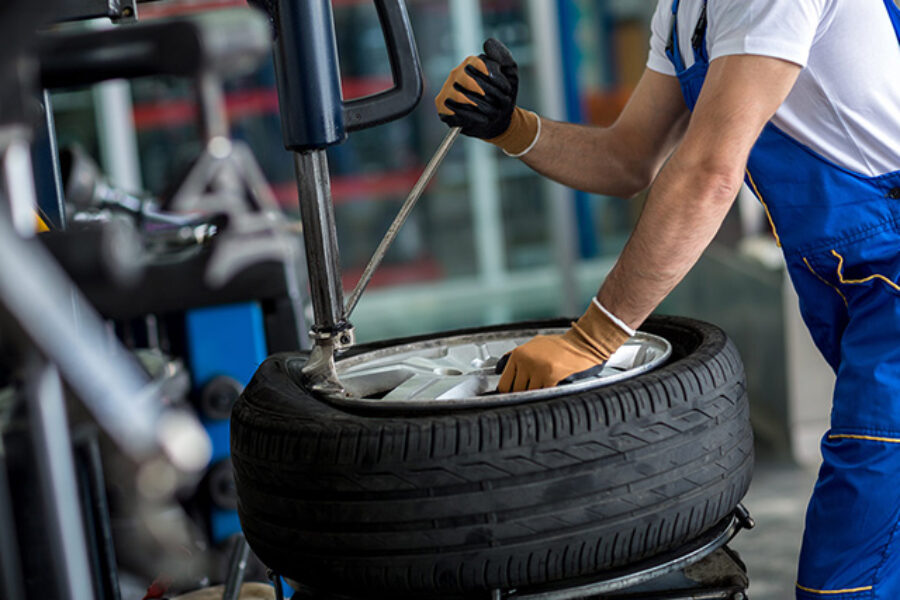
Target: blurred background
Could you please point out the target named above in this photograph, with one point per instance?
(492, 241)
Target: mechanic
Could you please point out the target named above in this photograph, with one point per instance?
(800, 98)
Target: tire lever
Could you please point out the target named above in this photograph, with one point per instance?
(405, 210)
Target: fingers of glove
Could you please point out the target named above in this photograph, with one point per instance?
(497, 50)
(479, 101)
(507, 378)
(542, 375)
(472, 120)
(471, 123)
(495, 87)
(523, 370)
(522, 379)
(460, 77)
(473, 116)
(501, 364)
(452, 120)
(502, 56)
(494, 77)
(450, 96)
(582, 375)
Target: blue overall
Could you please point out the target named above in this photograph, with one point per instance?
(840, 233)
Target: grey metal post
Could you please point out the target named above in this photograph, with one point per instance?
(331, 330)
(320, 239)
(544, 19)
(11, 585)
(213, 113)
(56, 473)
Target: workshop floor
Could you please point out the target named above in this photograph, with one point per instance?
(777, 501)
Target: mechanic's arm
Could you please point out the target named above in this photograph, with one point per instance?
(696, 188)
(686, 205)
(622, 160)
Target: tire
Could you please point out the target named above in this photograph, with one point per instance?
(434, 505)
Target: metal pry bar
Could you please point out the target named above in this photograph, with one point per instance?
(413, 197)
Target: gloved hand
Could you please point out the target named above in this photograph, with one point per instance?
(479, 96)
(547, 360)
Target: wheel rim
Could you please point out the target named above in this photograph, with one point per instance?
(458, 371)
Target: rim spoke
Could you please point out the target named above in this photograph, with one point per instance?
(433, 388)
(461, 369)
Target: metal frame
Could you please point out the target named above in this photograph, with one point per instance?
(95, 507)
(54, 317)
(629, 579)
(51, 334)
(57, 486)
(649, 570)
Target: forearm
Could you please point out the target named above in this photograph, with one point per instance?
(684, 210)
(692, 195)
(623, 159)
(592, 159)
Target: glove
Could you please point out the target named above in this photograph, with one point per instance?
(479, 96)
(548, 360)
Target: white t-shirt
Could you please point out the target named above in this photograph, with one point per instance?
(846, 102)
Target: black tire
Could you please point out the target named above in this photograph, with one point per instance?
(430, 505)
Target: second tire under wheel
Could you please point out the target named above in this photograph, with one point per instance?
(445, 504)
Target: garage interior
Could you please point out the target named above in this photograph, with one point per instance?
(202, 208)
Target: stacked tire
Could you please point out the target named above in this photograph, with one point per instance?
(453, 504)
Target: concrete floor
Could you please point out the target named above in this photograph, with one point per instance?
(777, 500)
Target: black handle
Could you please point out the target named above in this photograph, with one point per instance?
(313, 113)
(406, 69)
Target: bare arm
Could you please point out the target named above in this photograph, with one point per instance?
(695, 189)
(621, 160)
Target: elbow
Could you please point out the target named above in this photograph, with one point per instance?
(635, 185)
(720, 186)
(630, 183)
(641, 180)
(638, 175)
(713, 181)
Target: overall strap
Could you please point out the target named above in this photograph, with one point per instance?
(894, 12)
(698, 40)
(673, 50)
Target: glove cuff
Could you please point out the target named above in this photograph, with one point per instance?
(521, 135)
(599, 332)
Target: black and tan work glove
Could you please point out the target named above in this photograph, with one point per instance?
(548, 360)
(479, 97)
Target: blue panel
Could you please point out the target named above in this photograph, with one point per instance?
(219, 434)
(224, 340)
(225, 523)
